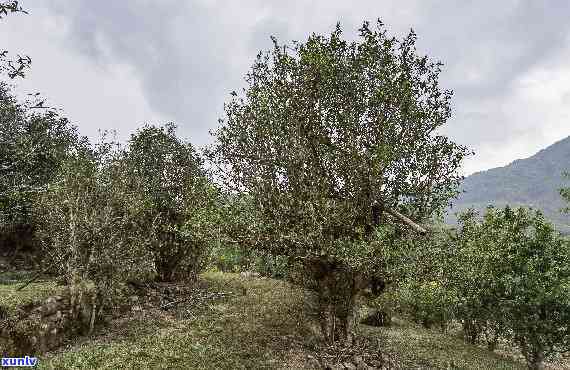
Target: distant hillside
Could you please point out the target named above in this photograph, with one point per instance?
(533, 182)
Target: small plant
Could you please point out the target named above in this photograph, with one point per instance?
(427, 303)
(230, 259)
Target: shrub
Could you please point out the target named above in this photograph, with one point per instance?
(427, 303)
(89, 224)
(180, 202)
(513, 276)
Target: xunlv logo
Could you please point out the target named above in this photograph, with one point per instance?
(19, 361)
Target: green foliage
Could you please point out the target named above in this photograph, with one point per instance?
(419, 287)
(239, 230)
(471, 273)
(328, 129)
(512, 273)
(180, 202)
(428, 303)
(89, 223)
(329, 133)
(32, 149)
(230, 259)
(236, 259)
(272, 266)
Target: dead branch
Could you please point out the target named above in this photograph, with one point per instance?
(406, 220)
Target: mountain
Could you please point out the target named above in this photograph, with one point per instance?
(532, 182)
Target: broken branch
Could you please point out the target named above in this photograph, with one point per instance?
(406, 220)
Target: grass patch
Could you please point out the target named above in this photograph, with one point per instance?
(237, 332)
(10, 297)
(416, 347)
(249, 324)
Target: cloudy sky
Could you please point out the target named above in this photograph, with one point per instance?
(119, 64)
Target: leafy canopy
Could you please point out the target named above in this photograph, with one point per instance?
(328, 132)
(513, 269)
(180, 211)
(32, 148)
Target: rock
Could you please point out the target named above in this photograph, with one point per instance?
(335, 367)
(313, 363)
(250, 274)
(50, 307)
(360, 364)
(40, 328)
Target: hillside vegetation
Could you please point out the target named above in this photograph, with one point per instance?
(265, 328)
(533, 182)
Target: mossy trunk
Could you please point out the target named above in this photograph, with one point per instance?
(166, 270)
(167, 256)
(337, 319)
(534, 359)
(537, 363)
(471, 331)
(337, 290)
(379, 318)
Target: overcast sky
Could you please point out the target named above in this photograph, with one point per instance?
(119, 64)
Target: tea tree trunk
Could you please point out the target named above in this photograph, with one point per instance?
(337, 291)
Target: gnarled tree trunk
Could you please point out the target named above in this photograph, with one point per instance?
(337, 290)
(533, 354)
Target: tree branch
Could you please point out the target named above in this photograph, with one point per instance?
(406, 220)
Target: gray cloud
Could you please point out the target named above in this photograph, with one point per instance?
(487, 46)
(189, 55)
(178, 52)
(498, 39)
